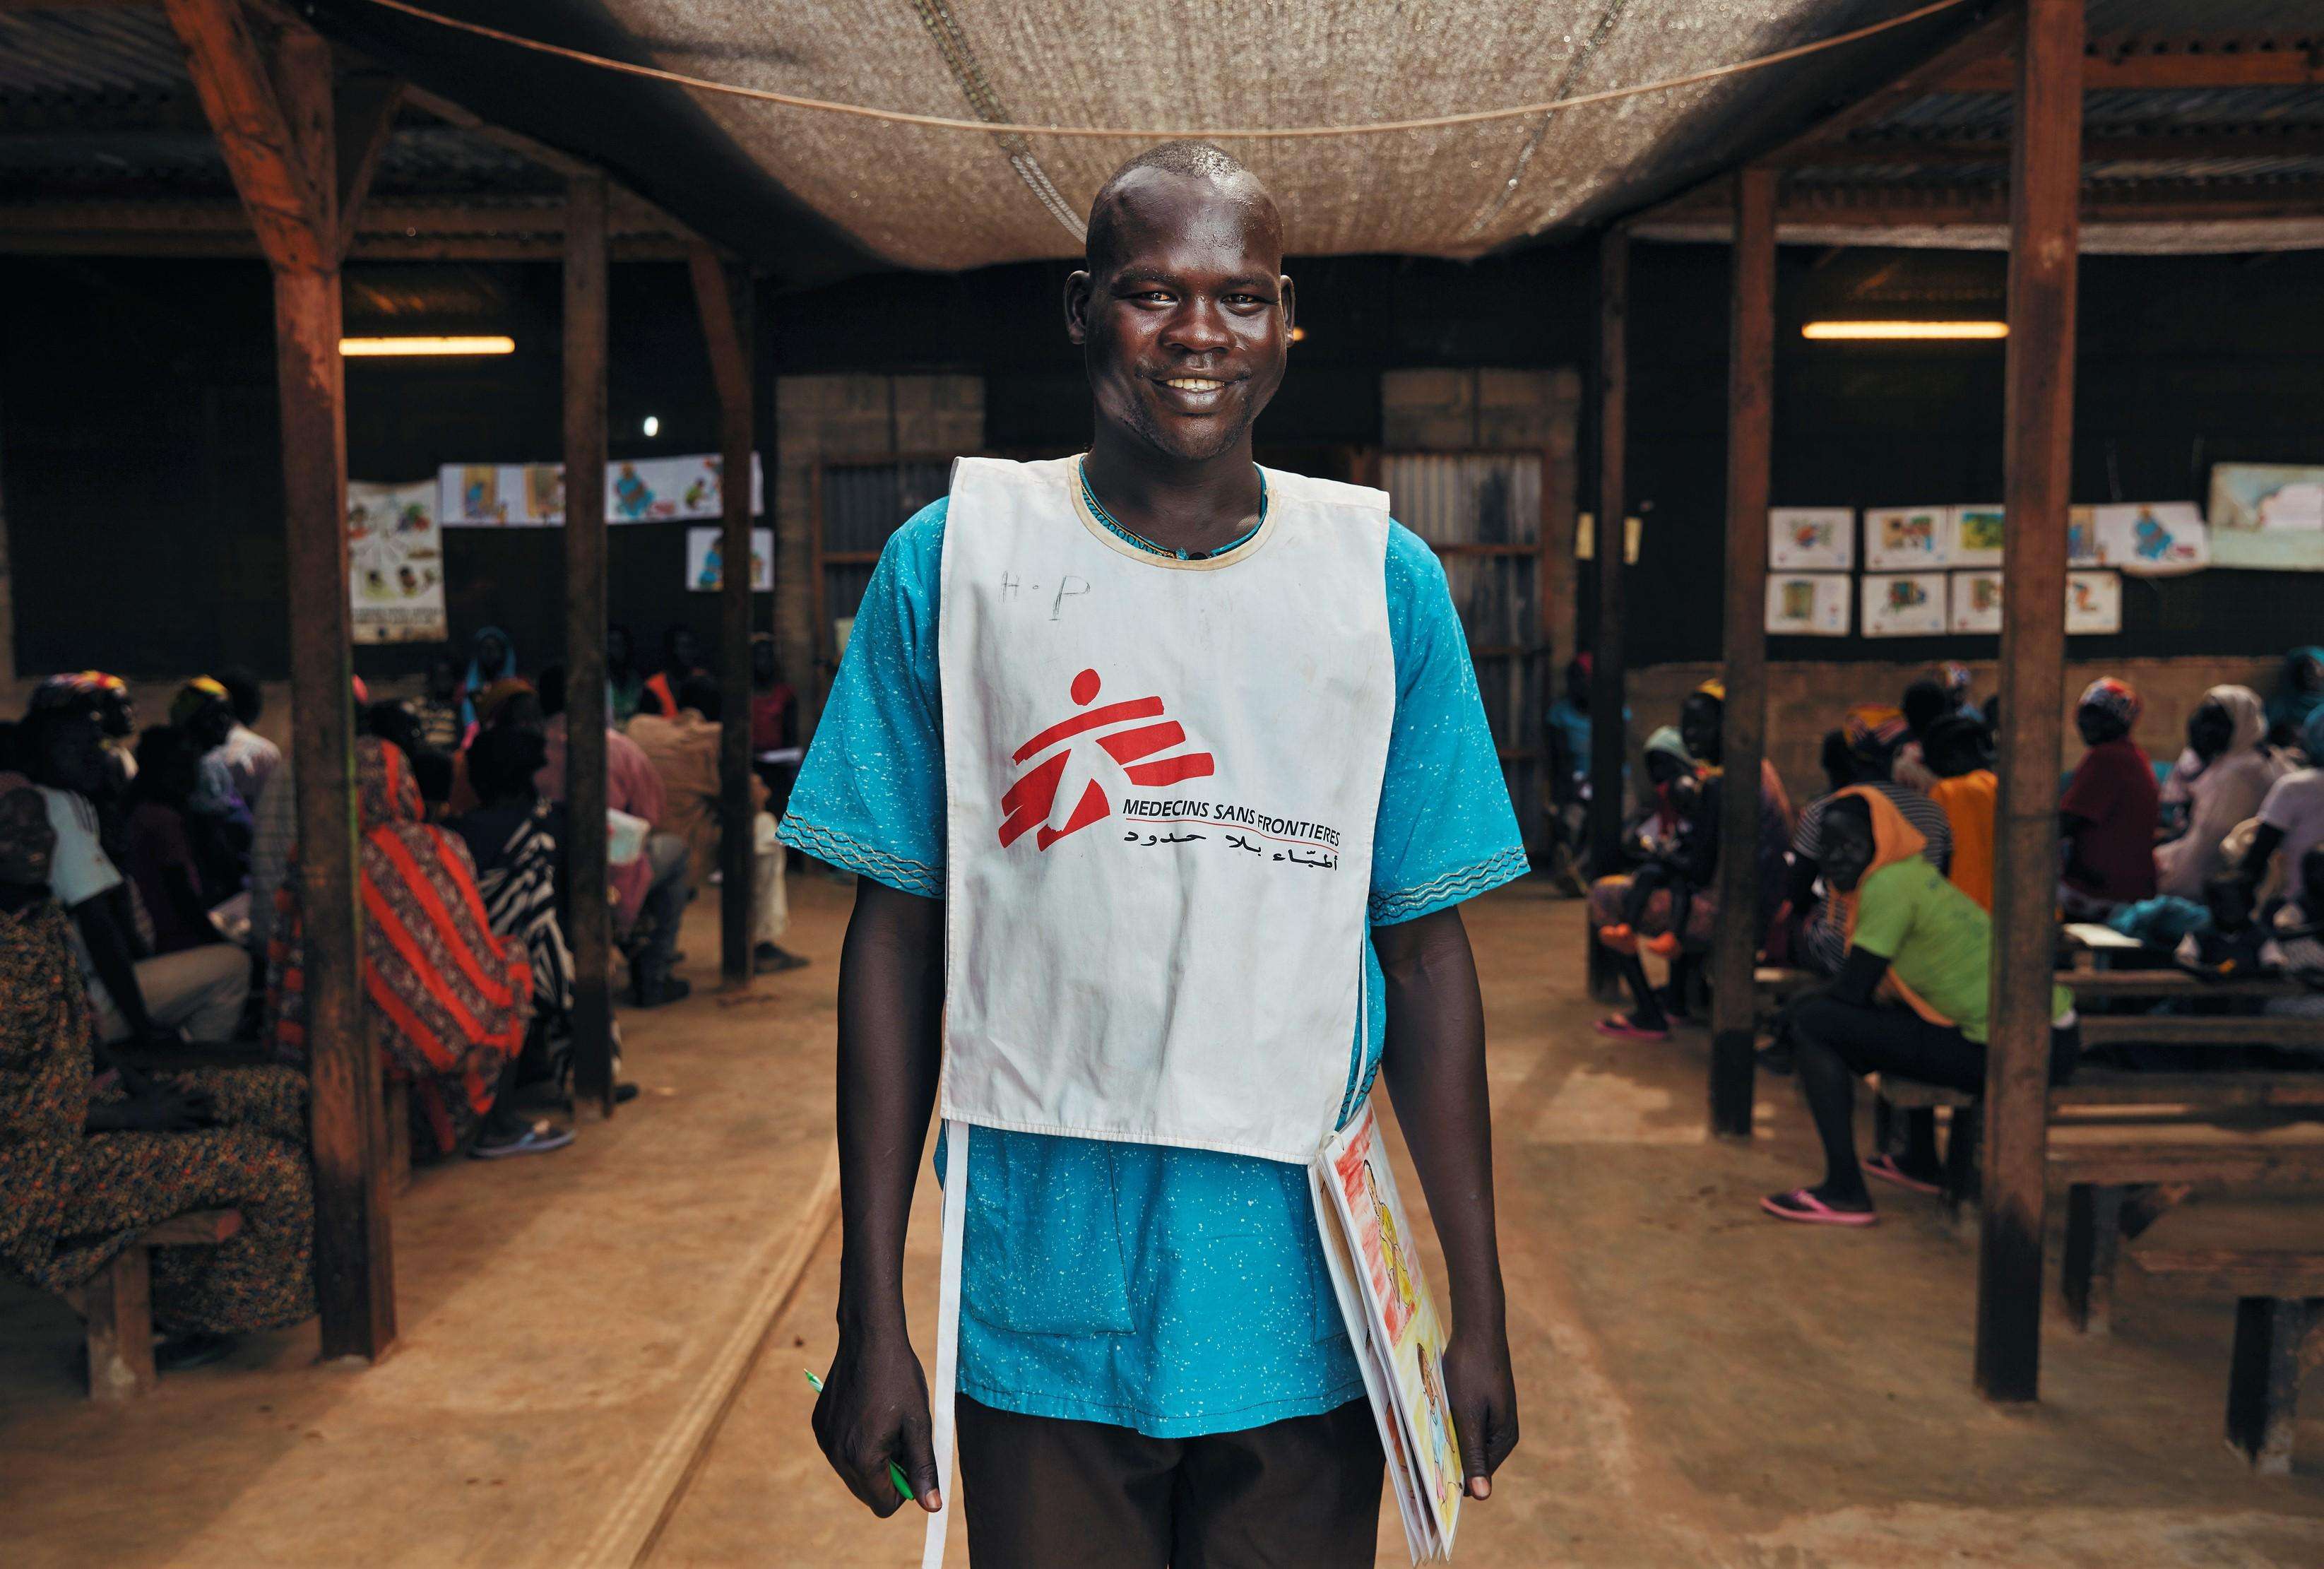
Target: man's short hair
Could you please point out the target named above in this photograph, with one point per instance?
(1201, 160)
(243, 690)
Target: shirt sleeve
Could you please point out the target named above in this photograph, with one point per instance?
(1807, 842)
(871, 794)
(1883, 914)
(78, 869)
(2283, 805)
(1445, 831)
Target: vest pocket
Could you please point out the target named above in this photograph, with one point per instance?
(1041, 1246)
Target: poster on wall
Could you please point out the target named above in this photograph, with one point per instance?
(644, 490)
(395, 564)
(1811, 539)
(1906, 538)
(705, 566)
(1903, 603)
(2093, 602)
(1808, 603)
(2152, 539)
(1975, 600)
(2268, 516)
(2081, 536)
(1978, 534)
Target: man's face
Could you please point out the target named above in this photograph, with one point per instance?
(117, 714)
(1698, 726)
(1184, 324)
(1847, 848)
(75, 757)
(27, 842)
(211, 726)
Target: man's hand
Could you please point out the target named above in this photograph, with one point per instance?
(873, 1410)
(1483, 1391)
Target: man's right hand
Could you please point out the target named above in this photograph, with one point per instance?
(873, 1410)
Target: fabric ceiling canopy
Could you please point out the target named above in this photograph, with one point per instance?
(952, 199)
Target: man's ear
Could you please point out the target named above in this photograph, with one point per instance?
(1077, 298)
(1290, 306)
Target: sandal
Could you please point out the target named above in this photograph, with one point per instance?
(1885, 1168)
(1618, 939)
(533, 1139)
(1622, 1027)
(1662, 944)
(1800, 1205)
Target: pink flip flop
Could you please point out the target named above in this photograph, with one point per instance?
(1620, 1026)
(1801, 1206)
(1885, 1168)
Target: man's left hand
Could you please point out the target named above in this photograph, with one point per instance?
(1483, 1391)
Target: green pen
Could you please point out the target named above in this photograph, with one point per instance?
(895, 1472)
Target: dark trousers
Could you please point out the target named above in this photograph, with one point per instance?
(1044, 1491)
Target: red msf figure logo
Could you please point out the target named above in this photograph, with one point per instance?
(1133, 745)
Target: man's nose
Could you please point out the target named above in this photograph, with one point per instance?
(1199, 327)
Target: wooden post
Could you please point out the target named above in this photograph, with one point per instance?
(1609, 741)
(1750, 437)
(2045, 179)
(722, 294)
(584, 640)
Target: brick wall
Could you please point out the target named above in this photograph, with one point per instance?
(1805, 699)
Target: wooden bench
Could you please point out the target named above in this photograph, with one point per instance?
(2269, 1256)
(1892, 1094)
(2277, 1029)
(119, 1304)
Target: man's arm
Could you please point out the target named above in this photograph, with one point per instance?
(109, 952)
(874, 1406)
(1434, 1066)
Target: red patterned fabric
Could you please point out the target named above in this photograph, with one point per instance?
(449, 1001)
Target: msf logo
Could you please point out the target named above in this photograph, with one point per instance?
(1117, 728)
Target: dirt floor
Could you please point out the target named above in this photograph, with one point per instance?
(1700, 1385)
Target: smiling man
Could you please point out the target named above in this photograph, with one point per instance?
(1162, 775)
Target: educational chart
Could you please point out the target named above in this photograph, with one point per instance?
(1394, 1326)
(2150, 539)
(1976, 603)
(1906, 538)
(2081, 536)
(706, 567)
(642, 490)
(2267, 515)
(1808, 603)
(1811, 539)
(1904, 603)
(395, 564)
(1978, 534)
(2093, 603)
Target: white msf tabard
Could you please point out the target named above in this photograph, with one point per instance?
(1161, 779)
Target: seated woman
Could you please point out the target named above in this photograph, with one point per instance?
(2111, 809)
(1960, 757)
(157, 844)
(1867, 750)
(87, 1163)
(447, 1001)
(2233, 769)
(1915, 937)
(1672, 847)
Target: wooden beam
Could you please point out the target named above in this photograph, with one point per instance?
(1750, 447)
(2038, 418)
(238, 94)
(353, 1261)
(1609, 741)
(2257, 142)
(585, 778)
(722, 295)
(2135, 64)
(364, 117)
(1987, 41)
(1874, 207)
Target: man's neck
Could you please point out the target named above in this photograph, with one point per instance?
(1196, 506)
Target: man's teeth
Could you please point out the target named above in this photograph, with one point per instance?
(1194, 384)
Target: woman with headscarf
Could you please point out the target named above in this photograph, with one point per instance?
(1913, 939)
(2228, 734)
(2292, 814)
(2298, 696)
(492, 658)
(1959, 757)
(446, 1000)
(2111, 809)
(87, 1160)
(1869, 736)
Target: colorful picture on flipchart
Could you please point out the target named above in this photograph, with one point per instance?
(1811, 539)
(395, 564)
(1976, 600)
(2093, 603)
(705, 563)
(1977, 536)
(2267, 516)
(2081, 536)
(1906, 538)
(2152, 538)
(1808, 603)
(1902, 603)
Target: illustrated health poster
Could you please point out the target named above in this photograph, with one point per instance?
(2267, 516)
(644, 490)
(1811, 539)
(1906, 538)
(395, 564)
(2093, 602)
(2152, 539)
(1903, 603)
(705, 566)
(1808, 603)
(1978, 535)
(1976, 603)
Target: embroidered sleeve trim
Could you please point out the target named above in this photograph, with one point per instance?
(1450, 889)
(841, 850)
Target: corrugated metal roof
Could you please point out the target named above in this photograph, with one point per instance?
(99, 51)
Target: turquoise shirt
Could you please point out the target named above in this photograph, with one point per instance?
(1175, 1291)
